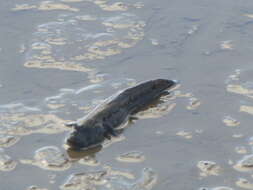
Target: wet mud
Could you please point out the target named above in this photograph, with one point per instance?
(62, 58)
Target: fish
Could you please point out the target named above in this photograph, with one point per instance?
(102, 122)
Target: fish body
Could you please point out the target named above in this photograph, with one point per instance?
(103, 121)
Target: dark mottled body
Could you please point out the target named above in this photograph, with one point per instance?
(102, 122)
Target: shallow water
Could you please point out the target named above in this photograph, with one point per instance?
(61, 58)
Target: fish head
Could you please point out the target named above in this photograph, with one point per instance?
(164, 84)
(85, 137)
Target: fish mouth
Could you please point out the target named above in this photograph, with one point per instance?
(79, 154)
(88, 148)
(175, 81)
(85, 137)
(74, 145)
(175, 85)
(167, 86)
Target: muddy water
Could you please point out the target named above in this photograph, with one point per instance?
(61, 58)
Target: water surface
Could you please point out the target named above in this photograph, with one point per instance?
(61, 58)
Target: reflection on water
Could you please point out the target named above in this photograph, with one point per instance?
(74, 154)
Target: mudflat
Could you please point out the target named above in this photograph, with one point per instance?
(62, 58)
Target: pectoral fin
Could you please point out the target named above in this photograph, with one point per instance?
(110, 130)
(106, 135)
(133, 118)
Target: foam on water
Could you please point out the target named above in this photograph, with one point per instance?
(49, 158)
(208, 168)
(6, 162)
(109, 180)
(133, 156)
